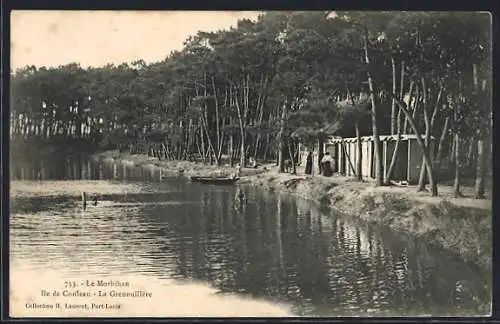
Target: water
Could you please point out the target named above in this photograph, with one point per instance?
(201, 254)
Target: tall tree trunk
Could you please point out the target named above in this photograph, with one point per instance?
(260, 107)
(388, 174)
(359, 150)
(231, 134)
(231, 149)
(184, 146)
(376, 138)
(402, 83)
(393, 106)
(415, 100)
(402, 106)
(292, 157)
(257, 142)
(281, 135)
(197, 141)
(421, 180)
(480, 170)
(245, 118)
(242, 148)
(204, 116)
(452, 149)
(359, 160)
(470, 153)
(481, 152)
(217, 125)
(270, 120)
(266, 149)
(441, 143)
(203, 152)
(242, 117)
(456, 184)
(456, 151)
(211, 150)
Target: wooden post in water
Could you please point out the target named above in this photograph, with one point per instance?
(84, 200)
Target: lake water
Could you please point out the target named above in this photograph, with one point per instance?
(198, 253)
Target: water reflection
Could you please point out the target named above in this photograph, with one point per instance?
(81, 168)
(277, 248)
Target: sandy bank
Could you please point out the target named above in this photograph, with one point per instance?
(463, 226)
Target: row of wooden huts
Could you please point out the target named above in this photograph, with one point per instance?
(344, 153)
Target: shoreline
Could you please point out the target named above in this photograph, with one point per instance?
(462, 226)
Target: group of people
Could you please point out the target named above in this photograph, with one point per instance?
(326, 166)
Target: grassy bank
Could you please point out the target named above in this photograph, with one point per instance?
(459, 225)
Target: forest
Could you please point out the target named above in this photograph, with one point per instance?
(260, 88)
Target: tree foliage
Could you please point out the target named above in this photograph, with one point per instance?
(287, 76)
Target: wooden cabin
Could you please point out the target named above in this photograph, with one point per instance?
(408, 161)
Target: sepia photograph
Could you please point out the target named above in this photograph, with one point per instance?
(250, 164)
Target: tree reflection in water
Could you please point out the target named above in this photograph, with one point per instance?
(284, 250)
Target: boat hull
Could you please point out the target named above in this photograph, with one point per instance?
(214, 180)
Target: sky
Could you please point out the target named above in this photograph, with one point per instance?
(96, 38)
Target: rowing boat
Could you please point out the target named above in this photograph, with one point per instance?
(215, 180)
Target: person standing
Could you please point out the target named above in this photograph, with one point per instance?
(309, 163)
(326, 163)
